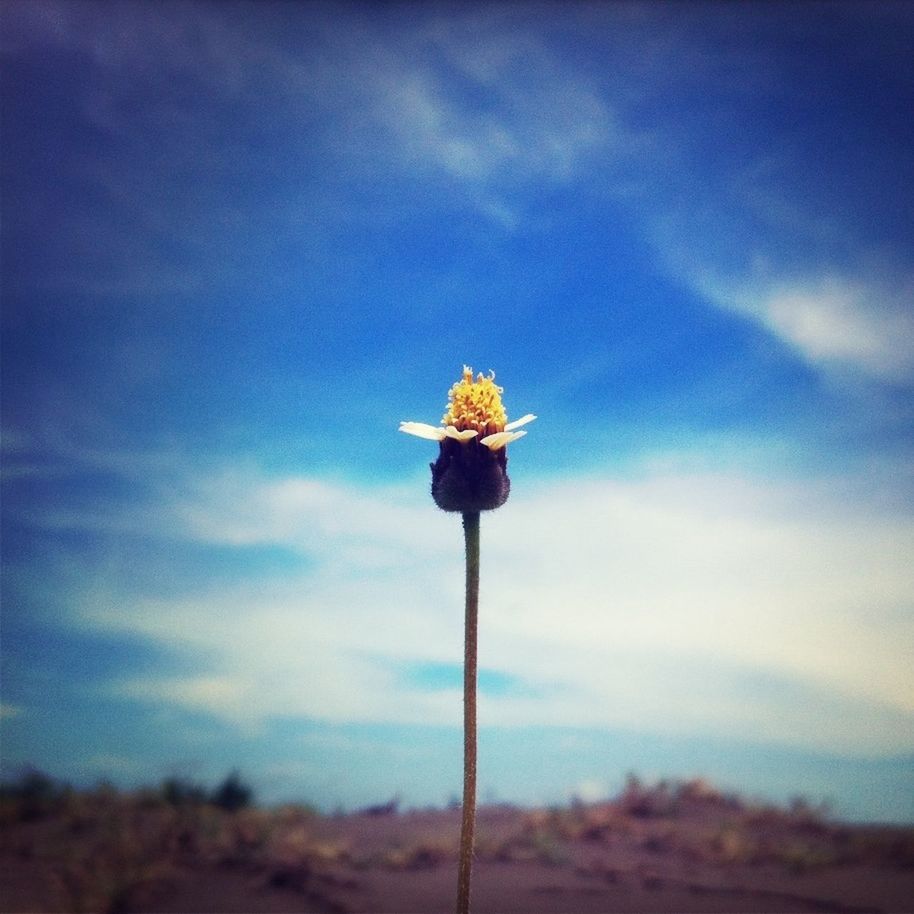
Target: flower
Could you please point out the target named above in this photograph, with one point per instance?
(471, 471)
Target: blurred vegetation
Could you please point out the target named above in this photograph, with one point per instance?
(232, 794)
(36, 795)
(33, 796)
(111, 851)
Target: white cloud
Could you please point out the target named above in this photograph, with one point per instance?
(833, 321)
(543, 133)
(673, 602)
(485, 103)
(474, 94)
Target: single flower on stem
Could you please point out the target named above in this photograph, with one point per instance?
(470, 476)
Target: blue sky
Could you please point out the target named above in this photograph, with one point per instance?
(241, 242)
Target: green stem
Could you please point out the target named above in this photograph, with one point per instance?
(468, 822)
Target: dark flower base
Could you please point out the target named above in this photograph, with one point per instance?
(469, 477)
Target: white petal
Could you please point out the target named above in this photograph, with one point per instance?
(517, 423)
(465, 435)
(421, 430)
(500, 439)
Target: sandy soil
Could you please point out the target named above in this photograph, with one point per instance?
(654, 851)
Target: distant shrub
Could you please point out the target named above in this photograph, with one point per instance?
(812, 816)
(644, 802)
(35, 795)
(232, 794)
(383, 809)
(181, 792)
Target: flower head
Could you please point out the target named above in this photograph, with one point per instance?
(471, 471)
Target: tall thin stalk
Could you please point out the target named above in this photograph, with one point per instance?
(469, 476)
(468, 821)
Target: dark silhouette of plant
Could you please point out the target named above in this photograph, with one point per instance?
(36, 794)
(180, 792)
(232, 794)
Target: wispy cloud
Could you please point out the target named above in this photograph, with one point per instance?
(478, 108)
(790, 259)
(540, 122)
(670, 601)
(412, 96)
(795, 228)
(832, 321)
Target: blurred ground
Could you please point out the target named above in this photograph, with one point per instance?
(680, 847)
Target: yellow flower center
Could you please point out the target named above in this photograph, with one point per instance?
(476, 404)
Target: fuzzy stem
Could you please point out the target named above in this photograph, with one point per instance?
(468, 822)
